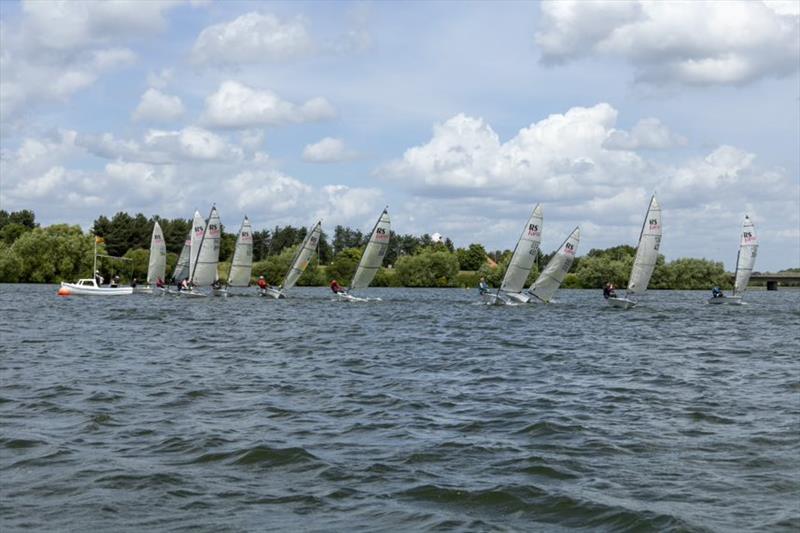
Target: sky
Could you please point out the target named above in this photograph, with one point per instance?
(460, 117)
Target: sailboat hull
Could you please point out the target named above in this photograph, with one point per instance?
(621, 303)
(273, 293)
(192, 294)
(84, 288)
(730, 300)
(504, 298)
(146, 289)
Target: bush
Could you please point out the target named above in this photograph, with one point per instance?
(427, 269)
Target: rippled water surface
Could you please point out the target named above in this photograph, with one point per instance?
(421, 411)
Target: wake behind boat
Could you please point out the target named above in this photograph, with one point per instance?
(745, 261)
(646, 257)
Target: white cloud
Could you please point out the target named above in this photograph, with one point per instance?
(344, 203)
(70, 25)
(192, 143)
(252, 38)
(565, 161)
(693, 43)
(560, 156)
(256, 189)
(328, 150)
(161, 78)
(163, 147)
(58, 48)
(156, 106)
(236, 105)
(648, 133)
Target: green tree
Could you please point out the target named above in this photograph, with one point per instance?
(12, 231)
(471, 258)
(429, 268)
(344, 265)
(56, 253)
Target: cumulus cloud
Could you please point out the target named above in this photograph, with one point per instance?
(560, 156)
(58, 48)
(648, 134)
(328, 150)
(252, 38)
(582, 167)
(163, 146)
(692, 43)
(156, 106)
(235, 105)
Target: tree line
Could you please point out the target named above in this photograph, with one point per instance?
(61, 252)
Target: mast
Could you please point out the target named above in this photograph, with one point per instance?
(200, 246)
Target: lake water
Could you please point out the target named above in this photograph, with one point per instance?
(421, 411)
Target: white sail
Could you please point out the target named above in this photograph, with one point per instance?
(206, 255)
(302, 257)
(553, 274)
(524, 254)
(182, 266)
(748, 246)
(373, 255)
(647, 251)
(198, 230)
(242, 262)
(157, 267)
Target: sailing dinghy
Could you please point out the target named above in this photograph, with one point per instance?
(521, 263)
(371, 260)
(204, 253)
(745, 261)
(646, 257)
(242, 262)
(157, 266)
(182, 266)
(548, 282)
(299, 263)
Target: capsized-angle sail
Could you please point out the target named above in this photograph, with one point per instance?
(182, 266)
(556, 270)
(525, 253)
(242, 262)
(373, 254)
(745, 261)
(204, 269)
(156, 268)
(647, 251)
(302, 257)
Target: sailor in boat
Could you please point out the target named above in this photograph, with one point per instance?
(134, 282)
(609, 292)
(336, 288)
(716, 292)
(483, 287)
(184, 286)
(160, 283)
(98, 278)
(216, 285)
(262, 284)
(114, 282)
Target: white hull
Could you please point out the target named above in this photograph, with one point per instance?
(192, 294)
(145, 289)
(272, 292)
(504, 298)
(730, 300)
(346, 297)
(220, 292)
(83, 288)
(621, 303)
